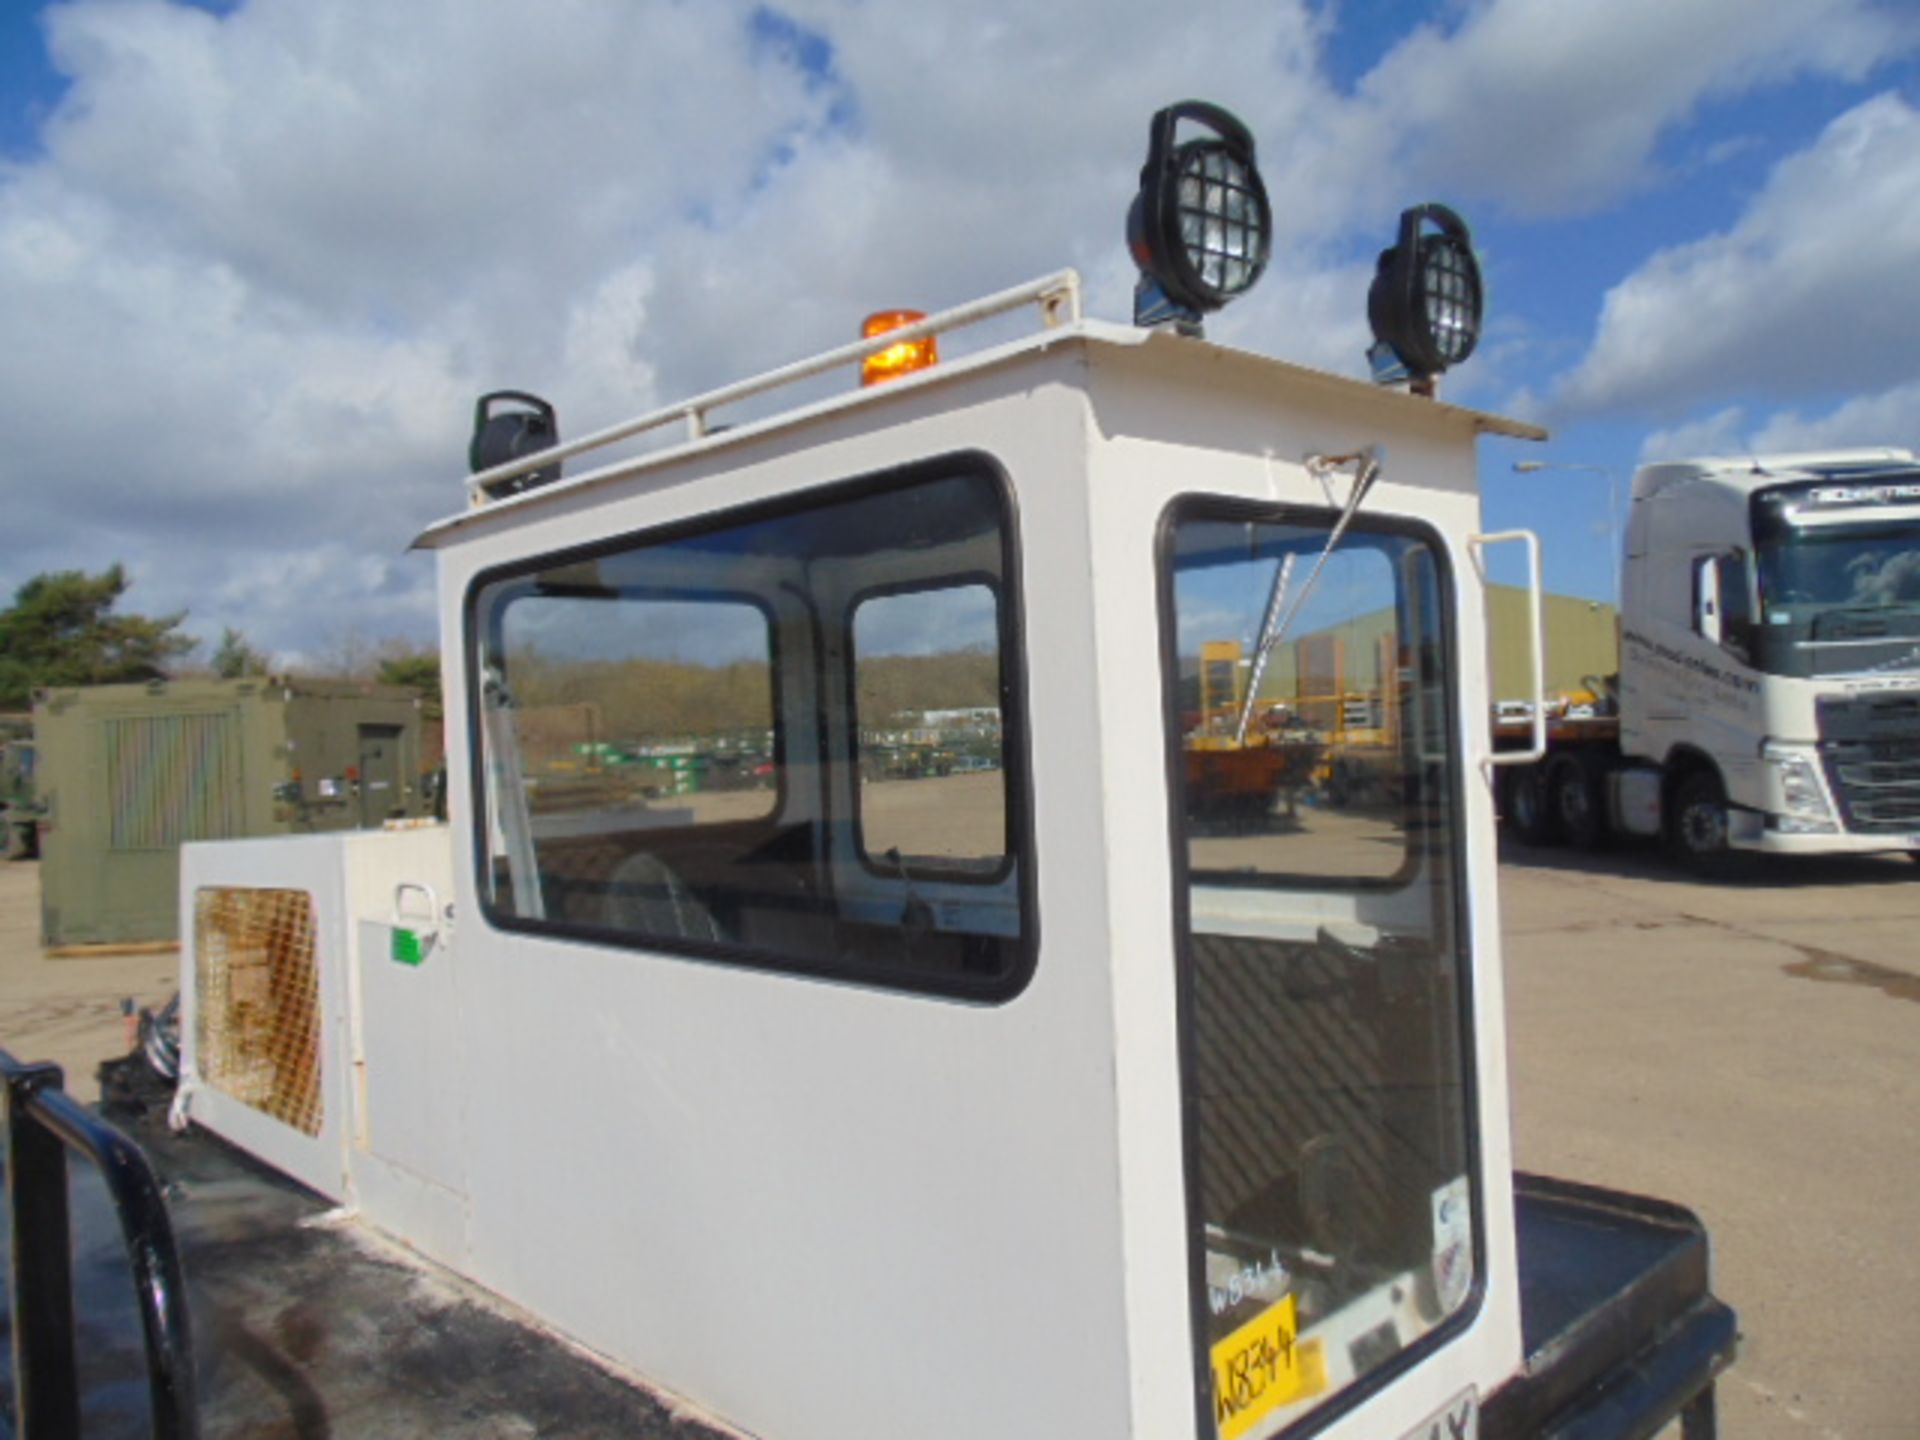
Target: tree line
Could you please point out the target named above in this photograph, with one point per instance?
(62, 630)
(66, 628)
(638, 697)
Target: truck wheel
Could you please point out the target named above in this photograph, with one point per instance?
(1573, 797)
(1526, 807)
(1697, 827)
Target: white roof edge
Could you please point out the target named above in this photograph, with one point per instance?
(1800, 460)
(1483, 422)
(1757, 471)
(1082, 331)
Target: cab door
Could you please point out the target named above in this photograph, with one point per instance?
(1333, 1227)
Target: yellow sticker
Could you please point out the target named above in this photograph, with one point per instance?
(1313, 1368)
(1257, 1369)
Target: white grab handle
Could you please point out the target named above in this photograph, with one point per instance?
(1537, 637)
(401, 915)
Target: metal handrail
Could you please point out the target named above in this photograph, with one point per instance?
(1536, 640)
(1057, 295)
(43, 1122)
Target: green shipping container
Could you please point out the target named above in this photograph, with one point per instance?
(129, 773)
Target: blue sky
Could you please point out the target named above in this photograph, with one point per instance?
(1554, 274)
(256, 257)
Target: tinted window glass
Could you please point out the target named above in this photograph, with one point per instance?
(932, 787)
(1323, 1016)
(642, 707)
(1294, 758)
(675, 755)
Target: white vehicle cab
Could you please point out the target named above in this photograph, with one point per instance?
(1768, 696)
(854, 990)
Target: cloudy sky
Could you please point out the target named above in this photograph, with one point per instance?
(258, 256)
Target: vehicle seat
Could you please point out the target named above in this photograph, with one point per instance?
(645, 897)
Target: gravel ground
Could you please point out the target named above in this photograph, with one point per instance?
(66, 1010)
(1750, 1049)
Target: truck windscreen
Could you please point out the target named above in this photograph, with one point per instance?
(1839, 576)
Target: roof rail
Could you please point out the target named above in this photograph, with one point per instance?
(1057, 295)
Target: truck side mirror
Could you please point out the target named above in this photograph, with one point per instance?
(1706, 597)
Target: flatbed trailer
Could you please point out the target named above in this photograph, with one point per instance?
(1557, 797)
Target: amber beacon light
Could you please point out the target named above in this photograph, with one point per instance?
(896, 360)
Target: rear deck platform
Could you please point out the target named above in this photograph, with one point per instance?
(1620, 1326)
(306, 1325)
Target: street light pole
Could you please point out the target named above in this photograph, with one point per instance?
(1529, 467)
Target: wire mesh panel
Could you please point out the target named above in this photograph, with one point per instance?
(257, 1023)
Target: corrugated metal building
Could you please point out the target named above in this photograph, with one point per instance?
(128, 773)
(1583, 638)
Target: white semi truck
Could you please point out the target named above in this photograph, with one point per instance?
(1768, 692)
(1025, 1097)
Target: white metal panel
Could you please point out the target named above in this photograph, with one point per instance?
(1745, 474)
(409, 1141)
(857, 407)
(411, 1184)
(819, 1208)
(410, 1038)
(1677, 686)
(1245, 442)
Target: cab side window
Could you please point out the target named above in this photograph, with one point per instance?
(927, 670)
(785, 737)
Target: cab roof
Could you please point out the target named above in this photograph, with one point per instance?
(1077, 338)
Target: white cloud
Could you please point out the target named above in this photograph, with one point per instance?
(1887, 417)
(1891, 417)
(1556, 109)
(383, 157)
(1725, 432)
(1315, 317)
(269, 256)
(1811, 291)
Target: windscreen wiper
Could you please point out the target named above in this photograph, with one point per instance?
(1365, 464)
(507, 787)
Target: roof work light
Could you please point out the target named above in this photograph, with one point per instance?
(1426, 298)
(896, 360)
(501, 435)
(1201, 227)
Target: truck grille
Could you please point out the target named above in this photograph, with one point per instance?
(1871, 750)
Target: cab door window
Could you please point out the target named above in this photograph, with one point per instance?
(1322, 977)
